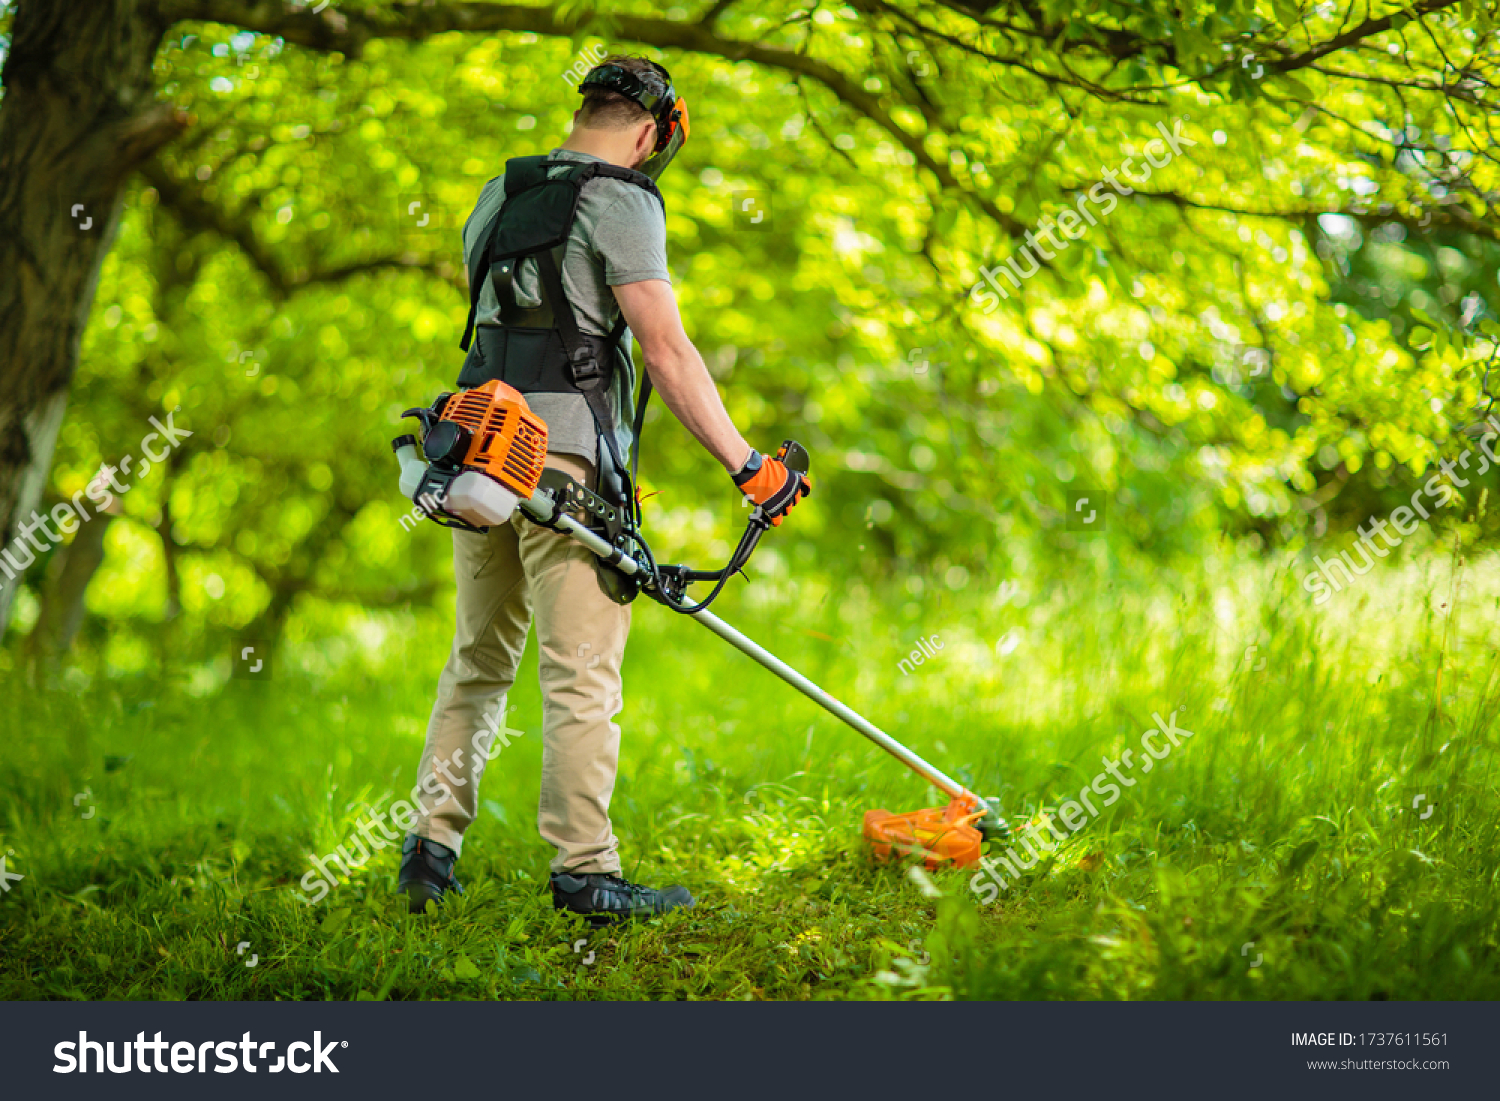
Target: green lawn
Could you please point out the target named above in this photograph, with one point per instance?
(1283, 831)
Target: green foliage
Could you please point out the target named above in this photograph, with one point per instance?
(1272, 336)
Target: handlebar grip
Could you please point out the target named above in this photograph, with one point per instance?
(793, 456)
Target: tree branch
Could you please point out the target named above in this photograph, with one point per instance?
(347, 32)
(1453, 212)
(1353, 37)
(199, 215)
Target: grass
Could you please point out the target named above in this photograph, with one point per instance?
(1283, 830)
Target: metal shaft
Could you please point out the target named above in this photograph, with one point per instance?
(541, 508)
(937, 778)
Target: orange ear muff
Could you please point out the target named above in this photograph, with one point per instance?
(680, 112)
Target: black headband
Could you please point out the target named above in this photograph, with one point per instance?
(655, 102)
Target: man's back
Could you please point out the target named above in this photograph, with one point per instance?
(619, 236)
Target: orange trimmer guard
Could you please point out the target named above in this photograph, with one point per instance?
(939, 835)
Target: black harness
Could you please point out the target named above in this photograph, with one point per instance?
(542, 350)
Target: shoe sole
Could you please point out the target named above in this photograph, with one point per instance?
(598, 920)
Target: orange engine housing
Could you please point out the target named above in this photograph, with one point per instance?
(510, 441)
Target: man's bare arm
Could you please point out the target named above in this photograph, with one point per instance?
(678, 371)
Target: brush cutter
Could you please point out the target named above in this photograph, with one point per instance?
(485, 452)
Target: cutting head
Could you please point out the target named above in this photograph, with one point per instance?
(936, 835)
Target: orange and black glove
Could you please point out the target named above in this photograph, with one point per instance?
(771, 485)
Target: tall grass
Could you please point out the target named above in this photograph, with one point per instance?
(1275, 854)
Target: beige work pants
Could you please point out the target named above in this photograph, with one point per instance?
(517, 572)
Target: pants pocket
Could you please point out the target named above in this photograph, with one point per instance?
(475, 555)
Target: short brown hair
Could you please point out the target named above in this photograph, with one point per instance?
(606, 110)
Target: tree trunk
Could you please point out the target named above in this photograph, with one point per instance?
(63, 610)
(167, 635)
(78, 115)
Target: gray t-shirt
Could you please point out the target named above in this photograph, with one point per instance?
(619, 236)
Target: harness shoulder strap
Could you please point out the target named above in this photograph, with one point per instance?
(631, 176)
(479, 263)
(635, 441)
(589, 375)
(522, 174)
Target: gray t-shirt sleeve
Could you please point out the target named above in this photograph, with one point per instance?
(630, 239)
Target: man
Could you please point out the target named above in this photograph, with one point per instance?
(571, 359)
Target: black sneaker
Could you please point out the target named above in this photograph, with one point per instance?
(603, 899)
(426, 872)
